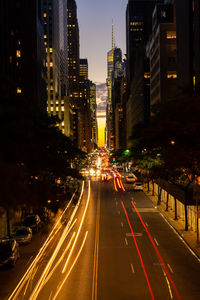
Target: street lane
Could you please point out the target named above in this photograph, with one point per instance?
(118, 246)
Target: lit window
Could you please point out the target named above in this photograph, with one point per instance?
(163, 14)
(51, 108)
(44, 14)
(171, 74)
(51, 64)
(45, 36)
(19, 90)
(18, 53)
(62, 108)
(50, 50)
(171, 34)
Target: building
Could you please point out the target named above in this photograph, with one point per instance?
(54, 19)
(93, 107)
(114, 70)
(161, 50)
(138, 30)
(73, 72)
(188, 45)
(22, 52)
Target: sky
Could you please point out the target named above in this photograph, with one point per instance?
(95, 24)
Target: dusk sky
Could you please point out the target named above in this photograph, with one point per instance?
(95, 24)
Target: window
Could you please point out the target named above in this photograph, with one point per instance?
(18, 53)
(171, 74)
(171, 34)
(19, 90)
(163, 14)
(44, 14)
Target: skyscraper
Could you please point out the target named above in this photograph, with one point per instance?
(54, 19)
(138, 30)
(22, 53)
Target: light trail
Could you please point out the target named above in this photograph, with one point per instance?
(119, 184)
(139, 254)
(78, 232)
(67, 275)
(157, 252)
(60, 259)
(23, 280)
(41, 281)
(115, 185)
(123, 188)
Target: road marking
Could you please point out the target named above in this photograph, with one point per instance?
(118, 212)
(96, 250)
(126, 241)
(135, 234)
(146, 224)
(116, 203)
(170, 268)
(122, 224)
(168, 284)
(133, 271)
(156, 242)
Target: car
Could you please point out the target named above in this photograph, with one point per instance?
(9, 252)
(23, 235)
(138, 186)
(130, 178)
(32, 221)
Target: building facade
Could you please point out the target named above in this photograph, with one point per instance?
(161, 50)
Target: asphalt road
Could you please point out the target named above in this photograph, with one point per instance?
(114, 245)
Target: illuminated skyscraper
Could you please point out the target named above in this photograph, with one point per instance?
(54, 19)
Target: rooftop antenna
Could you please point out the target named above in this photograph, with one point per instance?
(112, 35)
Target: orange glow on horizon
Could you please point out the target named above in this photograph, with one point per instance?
(101, 119)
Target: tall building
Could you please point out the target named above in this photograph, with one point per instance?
(188, 45)
(138, 30)
(22, 52)
(78, 88)
(114, 69)
(93, 107)
(54, 19)
(73, 73)
(161, 50)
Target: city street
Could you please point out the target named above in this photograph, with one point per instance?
(114, 245)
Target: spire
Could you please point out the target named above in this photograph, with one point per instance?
(112, 35)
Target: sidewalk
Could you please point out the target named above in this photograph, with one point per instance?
(190, 236)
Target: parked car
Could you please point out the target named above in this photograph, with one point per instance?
(130, 178)
(9, 252)
(33, 221)
(23, 235)
(138, 186)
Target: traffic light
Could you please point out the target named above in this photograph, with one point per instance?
(114, 159)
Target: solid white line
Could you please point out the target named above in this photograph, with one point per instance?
(180, 237)
(126, 241)
(156, 242)
(132, 268)
(170, 269)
